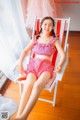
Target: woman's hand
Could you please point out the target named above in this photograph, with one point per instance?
(57, 69)
(22, 75)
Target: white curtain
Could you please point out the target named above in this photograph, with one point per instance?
(13, 35)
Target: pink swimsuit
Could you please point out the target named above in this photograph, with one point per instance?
(37, 65)
(44, 49)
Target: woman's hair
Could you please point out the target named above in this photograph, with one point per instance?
(46, 18)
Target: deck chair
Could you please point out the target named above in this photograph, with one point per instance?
(62, 31)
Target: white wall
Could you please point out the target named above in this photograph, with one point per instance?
(72, 11)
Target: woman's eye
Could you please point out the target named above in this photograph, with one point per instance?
(45, 24)
(50, 25)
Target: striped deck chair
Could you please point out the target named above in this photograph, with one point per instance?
(62, 31)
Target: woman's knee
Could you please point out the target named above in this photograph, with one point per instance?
(42, 80)
(31, 78)
(38, 86)
(29, 84)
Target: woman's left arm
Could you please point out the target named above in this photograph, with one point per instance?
(62, 56)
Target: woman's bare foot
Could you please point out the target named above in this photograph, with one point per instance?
(15, 119)
(18, 118)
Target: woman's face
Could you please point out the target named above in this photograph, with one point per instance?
(47, 26)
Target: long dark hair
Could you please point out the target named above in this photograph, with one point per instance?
(52, 32)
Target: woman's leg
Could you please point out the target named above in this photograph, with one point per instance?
(38, 86)
(31, 78)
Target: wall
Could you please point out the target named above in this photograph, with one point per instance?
(72, 11)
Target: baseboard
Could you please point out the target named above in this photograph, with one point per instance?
(4, 85)
(75, 32)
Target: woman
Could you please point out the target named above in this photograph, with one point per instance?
(40, 68)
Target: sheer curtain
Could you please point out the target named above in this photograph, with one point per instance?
(39, 8)
(13, 35)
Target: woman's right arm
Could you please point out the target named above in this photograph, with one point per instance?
(23, 55)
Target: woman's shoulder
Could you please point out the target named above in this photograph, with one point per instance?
(54, 39)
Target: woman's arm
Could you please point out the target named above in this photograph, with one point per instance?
(62, 55)
(23, 55)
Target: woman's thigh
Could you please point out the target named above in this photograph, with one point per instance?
(31, 79)
(43, 78)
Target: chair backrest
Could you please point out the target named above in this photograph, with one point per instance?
(61, 27)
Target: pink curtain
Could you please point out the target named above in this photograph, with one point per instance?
(39, 8)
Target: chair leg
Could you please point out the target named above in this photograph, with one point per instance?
(20, 88)
(55, 93)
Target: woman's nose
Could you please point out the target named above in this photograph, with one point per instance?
(47, 26)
